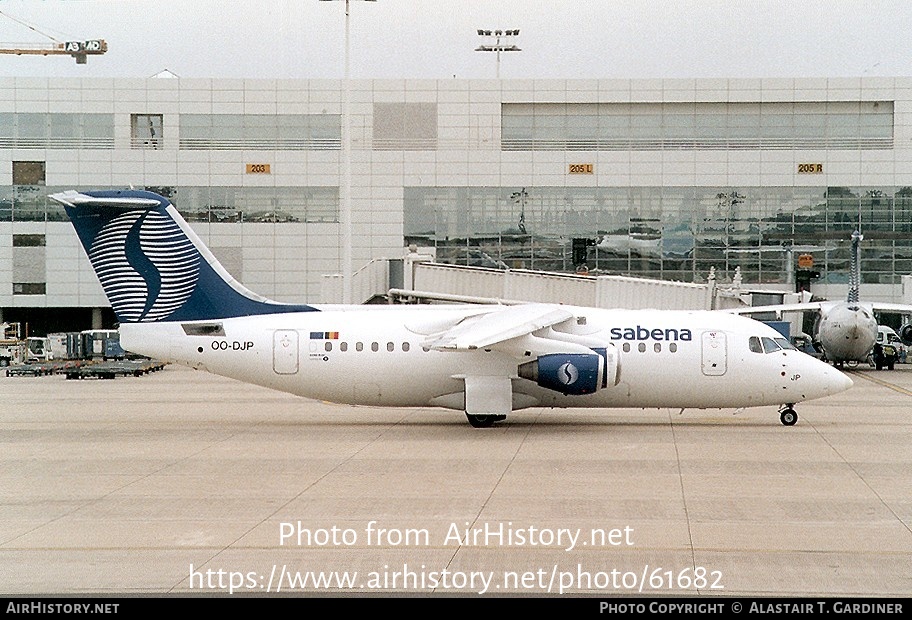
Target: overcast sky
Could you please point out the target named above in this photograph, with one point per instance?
(437, 38)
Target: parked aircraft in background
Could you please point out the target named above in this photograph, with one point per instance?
(844, 331)
(175, 302)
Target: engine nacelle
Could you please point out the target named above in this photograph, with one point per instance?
(905, 334)
(573, 373)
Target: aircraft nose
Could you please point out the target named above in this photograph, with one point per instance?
(816, 379)
(834, 381)
(840, 382)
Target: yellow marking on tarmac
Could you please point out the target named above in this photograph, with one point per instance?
(886, 384)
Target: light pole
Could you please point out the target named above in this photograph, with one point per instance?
(345, 209)
(501, 43)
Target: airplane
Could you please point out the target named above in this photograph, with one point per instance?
(175, 302)
(844, 331)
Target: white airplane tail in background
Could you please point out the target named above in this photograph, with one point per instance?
(855, 269)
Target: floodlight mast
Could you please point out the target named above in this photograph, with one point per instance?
(345, 210)
(501, 43)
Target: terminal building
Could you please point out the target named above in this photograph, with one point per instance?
(761, 181)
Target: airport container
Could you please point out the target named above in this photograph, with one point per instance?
(113, 350)
(58, 345)
(783, 327)
(74, 346)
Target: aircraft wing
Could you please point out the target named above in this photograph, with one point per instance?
(506, 323)
(401, 293)
(890, 308)
(811, 306)
(818, 306)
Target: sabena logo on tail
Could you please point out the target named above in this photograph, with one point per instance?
(147, 267)
(152, 265)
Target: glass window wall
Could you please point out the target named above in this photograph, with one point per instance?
(674, 233)
(30, 203)
(286, 132)
(56, 130)
(650, 126)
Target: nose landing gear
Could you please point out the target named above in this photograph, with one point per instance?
(484, 421)
(787, 415)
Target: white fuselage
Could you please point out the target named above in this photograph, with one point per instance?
(373, 355)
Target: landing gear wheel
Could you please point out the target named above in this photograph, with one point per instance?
(484, 421)
(788, 416)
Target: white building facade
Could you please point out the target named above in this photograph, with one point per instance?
(657, 178)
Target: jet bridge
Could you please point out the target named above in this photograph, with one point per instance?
(603, 291)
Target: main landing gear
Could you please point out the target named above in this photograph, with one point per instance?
(484, 421)
(787, 415)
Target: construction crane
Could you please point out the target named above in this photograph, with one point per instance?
(80, 50)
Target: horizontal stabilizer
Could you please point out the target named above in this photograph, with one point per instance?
(72, 198)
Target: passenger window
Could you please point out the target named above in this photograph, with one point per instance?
(375, 347)
(754, 344)
(343, 347)
(657, 347)
(769, 345)
(642, 347)
(390, 347)
(626, 347)
(328, 346)
(673, 347)
(405, 346)
(359, 346)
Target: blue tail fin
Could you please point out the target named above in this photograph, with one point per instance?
(152, 265)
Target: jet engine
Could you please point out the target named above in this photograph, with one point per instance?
(905, 334)
(573, 373)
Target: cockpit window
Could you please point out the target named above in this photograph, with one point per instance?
(769, 345)
(785, 344)
(754, 344)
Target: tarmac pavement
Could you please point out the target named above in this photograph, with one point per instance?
(180, 482)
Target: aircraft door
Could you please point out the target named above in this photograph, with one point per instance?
(285, 351)
(715, 357)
